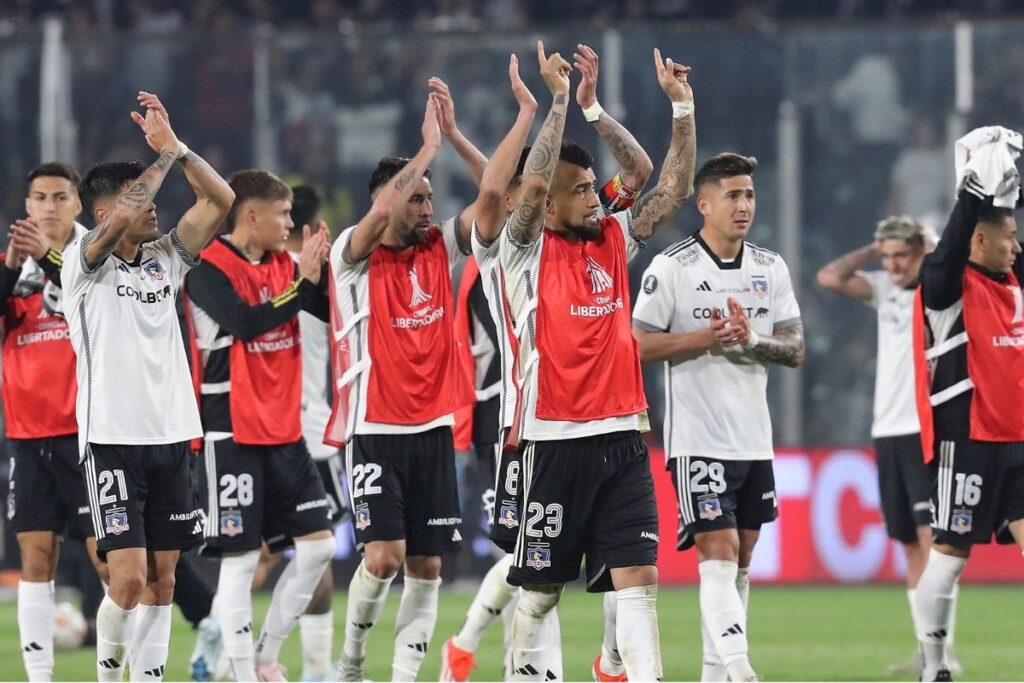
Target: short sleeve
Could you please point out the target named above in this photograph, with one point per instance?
(633, 243)
(656, 303)
(74, 272)
(178, 257)
(483, 249)
(786, 310)
(877, 280)
(453, 242)
(340, 264)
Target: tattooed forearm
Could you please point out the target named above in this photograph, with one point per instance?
(636, 166)
(675, 184)
(538, 173)
(404, 179)
(785, 347)
(104, 238)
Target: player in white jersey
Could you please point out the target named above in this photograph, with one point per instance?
(904, 484)
(136, 408)
(718, 310)
(587, 485)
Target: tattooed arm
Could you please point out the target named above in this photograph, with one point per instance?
(489, 209)
(842, 275)
(635, 167)
(785, 347)
(369, 231)
(101, 241)
(675, 184)
(528, 217)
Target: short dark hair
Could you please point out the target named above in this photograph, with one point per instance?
(993, 215)
(518, 177)
(107, 179)
(724, 165)
(253, 183)
(54, 169)
(305, 206)
(388, 168)
(575, 154)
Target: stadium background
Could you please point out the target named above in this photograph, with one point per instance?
(850, 106)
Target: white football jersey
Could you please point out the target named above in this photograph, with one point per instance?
(134, 386)
(717, 403)
(316, 411)
(895, 405)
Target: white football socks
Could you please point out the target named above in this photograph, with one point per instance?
(414, 626)
(366, 595)
(317, 634)
(150, 642)
(292, 593)
(490, 601)
(935, 596)
(530, 631)
(722, 611)
(611, 662)
(636, 631)
(234, 599)
(112, 638)
(35, 626)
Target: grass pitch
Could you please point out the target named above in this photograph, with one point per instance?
(819, 633)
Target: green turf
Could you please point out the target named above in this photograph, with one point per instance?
(817, 633)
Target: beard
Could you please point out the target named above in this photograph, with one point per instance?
(584, 233)
(412, 237)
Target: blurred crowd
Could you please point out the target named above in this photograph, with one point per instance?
(348, 15)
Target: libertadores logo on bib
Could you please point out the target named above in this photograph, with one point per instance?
(418, 295)
(600, 280)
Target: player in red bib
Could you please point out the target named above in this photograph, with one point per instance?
(47, 493)
(399, 381)
(260, 480)
(969, 370)
(587, 486)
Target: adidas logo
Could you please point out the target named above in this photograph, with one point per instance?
(492, 611)
(110, 663)
(456, 536)
(32, 647)
(419, 647)
(156, 673)
(527, 670)
(364, 626)
(245, 629)
(734, 630)
(704, 287)
(550, 676)
(197, 529)
(938, 635)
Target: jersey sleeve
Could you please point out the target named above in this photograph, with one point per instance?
(784, 305)
(656, 302)
(482, 249)
(450, 230)
(179, 260)
(75, 274)
(877, 280)
(633, 243)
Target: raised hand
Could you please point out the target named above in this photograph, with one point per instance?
(26, 238)
(554, 70)
(15, 257)
(157, 129)
(446, 106)
(431, 122)
(586, 62)
(524, 98)
(672, 78)
(314, 252)
(151, 101)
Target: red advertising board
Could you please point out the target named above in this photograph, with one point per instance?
(829, 529)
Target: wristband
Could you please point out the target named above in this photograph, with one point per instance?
(593, 112)
(680, 110)
(752, 341)
(183, 150)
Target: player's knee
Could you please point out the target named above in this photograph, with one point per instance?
(36, 561)
(318, 551)
(162, 588)
(718, 546)
(952, 550)
(426, 567)
(536, 601)
(126, 587)
(382, 565)
(633, 577)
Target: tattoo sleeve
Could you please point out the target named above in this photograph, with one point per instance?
(537, 174)
(104, 238)
(629, 155)
(785, 347)
(675, 184)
